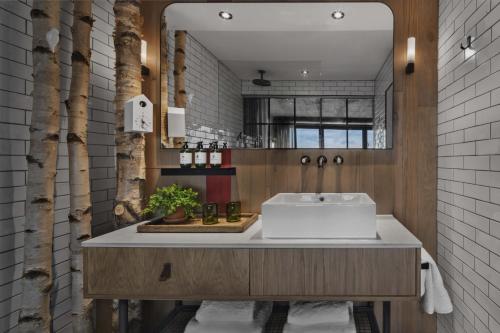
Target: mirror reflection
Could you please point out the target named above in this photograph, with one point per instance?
(255, 75)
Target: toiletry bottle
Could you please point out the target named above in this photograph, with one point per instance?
(200, 156)
(186, 156)
(215, 156)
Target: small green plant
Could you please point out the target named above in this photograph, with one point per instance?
(166, 200)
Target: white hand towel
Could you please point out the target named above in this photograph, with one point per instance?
(313, 313)
(262, 314)
(226, 311)
(435, 298)
(349, 327)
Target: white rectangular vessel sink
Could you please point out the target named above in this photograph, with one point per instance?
(324, 215)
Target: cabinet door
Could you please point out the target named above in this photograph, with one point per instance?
(166, 273)
(110, 272)
(197, 273)
(286, 272)
(334, 272)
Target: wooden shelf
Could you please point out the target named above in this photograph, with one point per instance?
(224, 171)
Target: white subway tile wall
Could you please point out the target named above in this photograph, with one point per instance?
(469, 164)
(16, 84)
(309, 87)
(215, 106)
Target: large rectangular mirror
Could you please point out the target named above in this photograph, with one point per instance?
(279, 75)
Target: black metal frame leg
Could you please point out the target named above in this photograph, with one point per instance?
(386, 314)
(123, 316)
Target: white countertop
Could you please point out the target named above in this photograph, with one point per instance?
(391, 234)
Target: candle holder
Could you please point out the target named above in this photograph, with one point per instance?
(209, 213)
(233, 211)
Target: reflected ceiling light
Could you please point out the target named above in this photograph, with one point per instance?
(225, 15)
(338, 15)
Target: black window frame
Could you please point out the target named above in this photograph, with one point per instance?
(348, 123)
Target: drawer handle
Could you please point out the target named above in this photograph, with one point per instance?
(166, 272)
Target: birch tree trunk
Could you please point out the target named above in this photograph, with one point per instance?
(35, 315)
(166, 141)
(180, 95)
(129, 146)
(131, 173)
(80, 204)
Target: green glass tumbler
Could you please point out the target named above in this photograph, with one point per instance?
(209, 213)
(233, 211)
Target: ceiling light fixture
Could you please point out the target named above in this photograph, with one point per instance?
(338, 15)
(304, 72)
(225, 15)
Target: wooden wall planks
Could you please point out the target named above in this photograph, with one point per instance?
(402, 181)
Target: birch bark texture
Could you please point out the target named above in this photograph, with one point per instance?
(131, 168)
(180, 95)
(80, 216)
(35, 315)
(166, 141)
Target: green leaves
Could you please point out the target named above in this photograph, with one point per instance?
(166, 200)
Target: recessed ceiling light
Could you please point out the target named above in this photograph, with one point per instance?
(304, 72)
(225, 15)
(338, 15)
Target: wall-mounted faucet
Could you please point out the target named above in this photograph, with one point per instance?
(305, 160)
(321, 161)
(338, 160)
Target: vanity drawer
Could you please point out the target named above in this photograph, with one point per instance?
(166, 273)
(360, 272)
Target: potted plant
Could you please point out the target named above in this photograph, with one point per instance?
(174, 203)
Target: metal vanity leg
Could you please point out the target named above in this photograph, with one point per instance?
(123, 316)
(386, 314)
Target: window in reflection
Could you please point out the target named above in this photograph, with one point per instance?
(308, 137)
(335, 138)
(355, 139)
(308, 122)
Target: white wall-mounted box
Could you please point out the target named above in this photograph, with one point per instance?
(138, 115)
(176, 120)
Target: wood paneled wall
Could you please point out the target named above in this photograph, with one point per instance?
(402, 181)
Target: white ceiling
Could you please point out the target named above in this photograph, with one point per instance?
(284, 38)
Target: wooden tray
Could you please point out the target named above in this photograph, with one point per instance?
(196, 225)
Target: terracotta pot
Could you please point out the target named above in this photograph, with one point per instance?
(178, 217)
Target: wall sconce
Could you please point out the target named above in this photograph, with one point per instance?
(144, 58)
(410, 56)
(467, 47)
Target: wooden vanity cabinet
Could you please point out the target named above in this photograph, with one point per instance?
(269, 273)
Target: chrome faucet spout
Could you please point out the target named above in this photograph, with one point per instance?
(321, 161)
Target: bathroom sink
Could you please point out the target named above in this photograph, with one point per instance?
(324, 215)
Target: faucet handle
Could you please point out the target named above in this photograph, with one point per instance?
(338, 160)
(304, 160)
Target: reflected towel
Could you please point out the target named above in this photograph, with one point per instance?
(435, 298)
(262, 313)
(313, 313)
(226, 311)
(349, 327)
